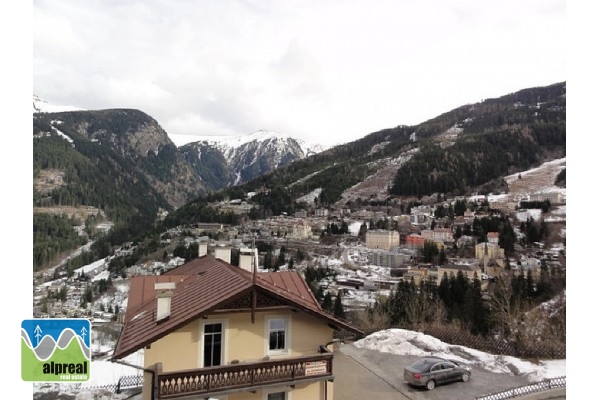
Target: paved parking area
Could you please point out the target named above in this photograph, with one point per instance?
(373, 375)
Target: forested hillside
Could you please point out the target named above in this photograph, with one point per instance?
(117, 161)
(478, 158)
(497, 137)
(460, 152)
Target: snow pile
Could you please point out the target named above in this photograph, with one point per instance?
(405, 342)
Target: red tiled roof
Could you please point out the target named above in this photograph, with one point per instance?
(203, 285)
(141, 290)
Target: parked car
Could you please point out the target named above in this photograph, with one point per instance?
(432, 371)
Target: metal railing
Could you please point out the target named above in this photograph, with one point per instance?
(124, 382)
(542, 386)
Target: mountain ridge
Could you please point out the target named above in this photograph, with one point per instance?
(463, 151)
(242, 158)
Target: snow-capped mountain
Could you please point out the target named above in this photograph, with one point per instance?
(41, 105)
(248, 156)
(229, 144)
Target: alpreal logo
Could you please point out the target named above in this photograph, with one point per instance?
(55, 349)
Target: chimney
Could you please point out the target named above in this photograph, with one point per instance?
(202, 249)
(248, 259)
(223, 253)
(164, 292)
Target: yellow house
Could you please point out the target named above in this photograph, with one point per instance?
(416, 274)
(382, 239)
(213, 330)
(469, 271)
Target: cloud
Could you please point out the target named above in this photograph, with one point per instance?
(298, 73)
(313, 69)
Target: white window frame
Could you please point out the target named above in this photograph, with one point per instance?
(224, 341)
(286, 390)
(288, 335)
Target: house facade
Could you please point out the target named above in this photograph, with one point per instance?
(321, 212)
(552, 197)
(418, 275)
(493, 237)
(444, 235)
(415, 241)
(488, 250)
(389, 259)
(213, 330)
(469, 271)
(382, 239)
(301, 231)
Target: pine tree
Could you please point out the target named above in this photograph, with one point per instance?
(318, 291)
(530, 285)
(338, 307)
(475, 312)
(444, 292)
(442, 257)
(280, 259)
(62, 295)
(458, 287)
(362, 232)
(327, 302)
(268, 260)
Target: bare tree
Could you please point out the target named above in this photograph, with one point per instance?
(371, 319)
(505, 311)
(420, 310)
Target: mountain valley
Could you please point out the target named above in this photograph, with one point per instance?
(123, 164)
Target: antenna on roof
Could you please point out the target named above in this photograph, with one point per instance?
(254, 262)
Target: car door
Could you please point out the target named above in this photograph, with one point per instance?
(451, 372)
(437, 373)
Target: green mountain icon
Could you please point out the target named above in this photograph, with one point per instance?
(64, 365)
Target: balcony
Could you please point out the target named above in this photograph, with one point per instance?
(245, 376)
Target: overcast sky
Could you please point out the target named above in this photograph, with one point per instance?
(326, 71)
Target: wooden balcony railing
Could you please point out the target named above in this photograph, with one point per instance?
(245, 376)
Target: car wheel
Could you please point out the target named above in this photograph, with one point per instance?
(430, 384)
(465, 377)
